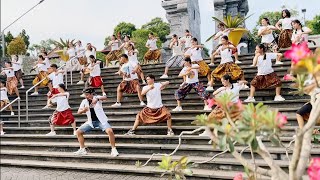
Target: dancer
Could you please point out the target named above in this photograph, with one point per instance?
(72, 63)
(130, 83)
(91, 50)
(16, 64)
(218, 113)
(115, 52)
(186, 40)
(195, 54)
(227, 66)
(133, 58)
(223, 31)
(300, 34)
(125, 44)
(304, 112)
(46, 59)
(155, 111)
(12, 81)
(177, 57)
(62, 116)
(92, 107)
(266, 77)
(4, 100)
(43, 73)
(56, 78)
(286, 29)
(192, 82)
(94, 80)
(153, 52)
(267, 38)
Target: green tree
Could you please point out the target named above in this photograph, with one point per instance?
(124, 28)
(107, 40)
(314, 24)
(23, 34)
(9, 37)
(158, 26)
(17, 47)
(48, 44)
(140, 37)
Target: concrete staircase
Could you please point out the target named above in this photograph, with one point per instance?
(28, 146)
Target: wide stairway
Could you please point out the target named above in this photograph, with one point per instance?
(29, 147)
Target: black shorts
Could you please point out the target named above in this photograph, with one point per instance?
(305, 109)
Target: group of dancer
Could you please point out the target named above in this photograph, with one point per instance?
(187, 53)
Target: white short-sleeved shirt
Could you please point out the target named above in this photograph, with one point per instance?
(3, 94)
(193, 77)
(95, 70)
(220, 34)
(133, 58)
(152, 43)
(187, 40)
(115, 45)
(56, 78)
(9, 73)
(127, 68)
(62, 102)
(265, 65)
(17, 67)
(195, 54)
(154, 100)
(71, 52)
(286, 23)
(235, 90)
(304, 37)
(42, 67)
(177, 50)
(226, 55)
(267, 38)
(47, 62)
(79, 50)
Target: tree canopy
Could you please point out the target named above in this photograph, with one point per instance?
(158, 26)
(17, 47)
(124, 28)
(314, 24)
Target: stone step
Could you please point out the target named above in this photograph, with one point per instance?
(115, 168)
(129, 159)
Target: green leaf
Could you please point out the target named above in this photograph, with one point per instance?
(177, 176)
(138, 164)
(230, 144)
(188, 172)
(246, 170)
(254, 144)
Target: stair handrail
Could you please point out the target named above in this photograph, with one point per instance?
(19, 112)
(82, 53)
(27, 92)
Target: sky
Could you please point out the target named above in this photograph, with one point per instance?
(93, 20)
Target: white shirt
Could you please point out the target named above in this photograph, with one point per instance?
(42, 67)
(79, 50)
(265, 66)
(193, 77)
(3, 94)
(235, 90)
(127, 68)
(286, 23)
(195, 55)
(56, 79)
(177, 49)
(226, 55)
(62, 102)
(133, 58)
(9, 73)
(71, 52)
(89, 53)
(47, 62)
(304, 37)
(267, 38)
(95, 70)
(114, 45)
(17, 67)
(154, 100)
(220, 34)
(97, 109)
(187, 40)
(152, 43)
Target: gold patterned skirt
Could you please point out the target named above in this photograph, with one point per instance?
(285, 38)
(151, 116)
(227, 68)
(204, 69)
(218, 114)
(152, 55)
(266, 81)
(129, 87)
(39, 77)
(12, 83)
(113, 55)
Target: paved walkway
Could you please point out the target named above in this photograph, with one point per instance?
(14, 173)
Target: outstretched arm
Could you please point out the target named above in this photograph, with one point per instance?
(164, 85)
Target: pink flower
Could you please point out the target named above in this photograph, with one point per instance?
(318, 60)
(314, 169)
(211, 102)
(297, 52)
(240, 105)
(238, 177)
(288, 77)
(281, 120)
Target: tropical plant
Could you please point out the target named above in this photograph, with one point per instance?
(177, 169)
(17, 47)
(62, 44)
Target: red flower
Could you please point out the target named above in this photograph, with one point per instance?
(238, 177)
(211, 102)
(297, 52)
(281, 120)
(240, 105)
(314, 169)
(288, 77)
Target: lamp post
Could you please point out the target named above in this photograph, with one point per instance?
(2, 32)
(304, 15)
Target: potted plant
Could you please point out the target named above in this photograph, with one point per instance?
(236, 26)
